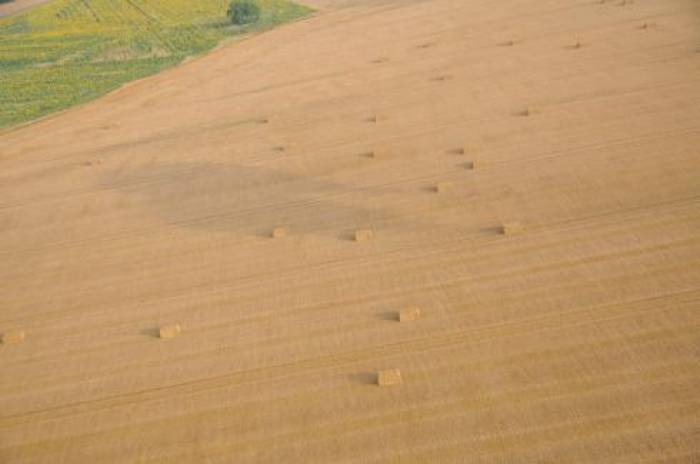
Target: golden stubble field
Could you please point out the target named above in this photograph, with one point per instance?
(387, 146)
(15, 6)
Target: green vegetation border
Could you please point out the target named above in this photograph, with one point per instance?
(68, 52)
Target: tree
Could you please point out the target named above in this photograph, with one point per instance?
(244, 11)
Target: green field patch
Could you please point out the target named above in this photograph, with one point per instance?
(70, 51)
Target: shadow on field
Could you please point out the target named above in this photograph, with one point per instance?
(363, 378)
(252, 200)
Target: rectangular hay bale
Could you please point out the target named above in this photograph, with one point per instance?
(389, 377)
(512, 228)
(409, 314)
(169, 331)
(13, 337)
(443, 187)
(362, 235)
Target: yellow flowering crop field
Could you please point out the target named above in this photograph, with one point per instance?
(70, 51)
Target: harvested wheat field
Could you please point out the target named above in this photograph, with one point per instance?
(395, 231)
